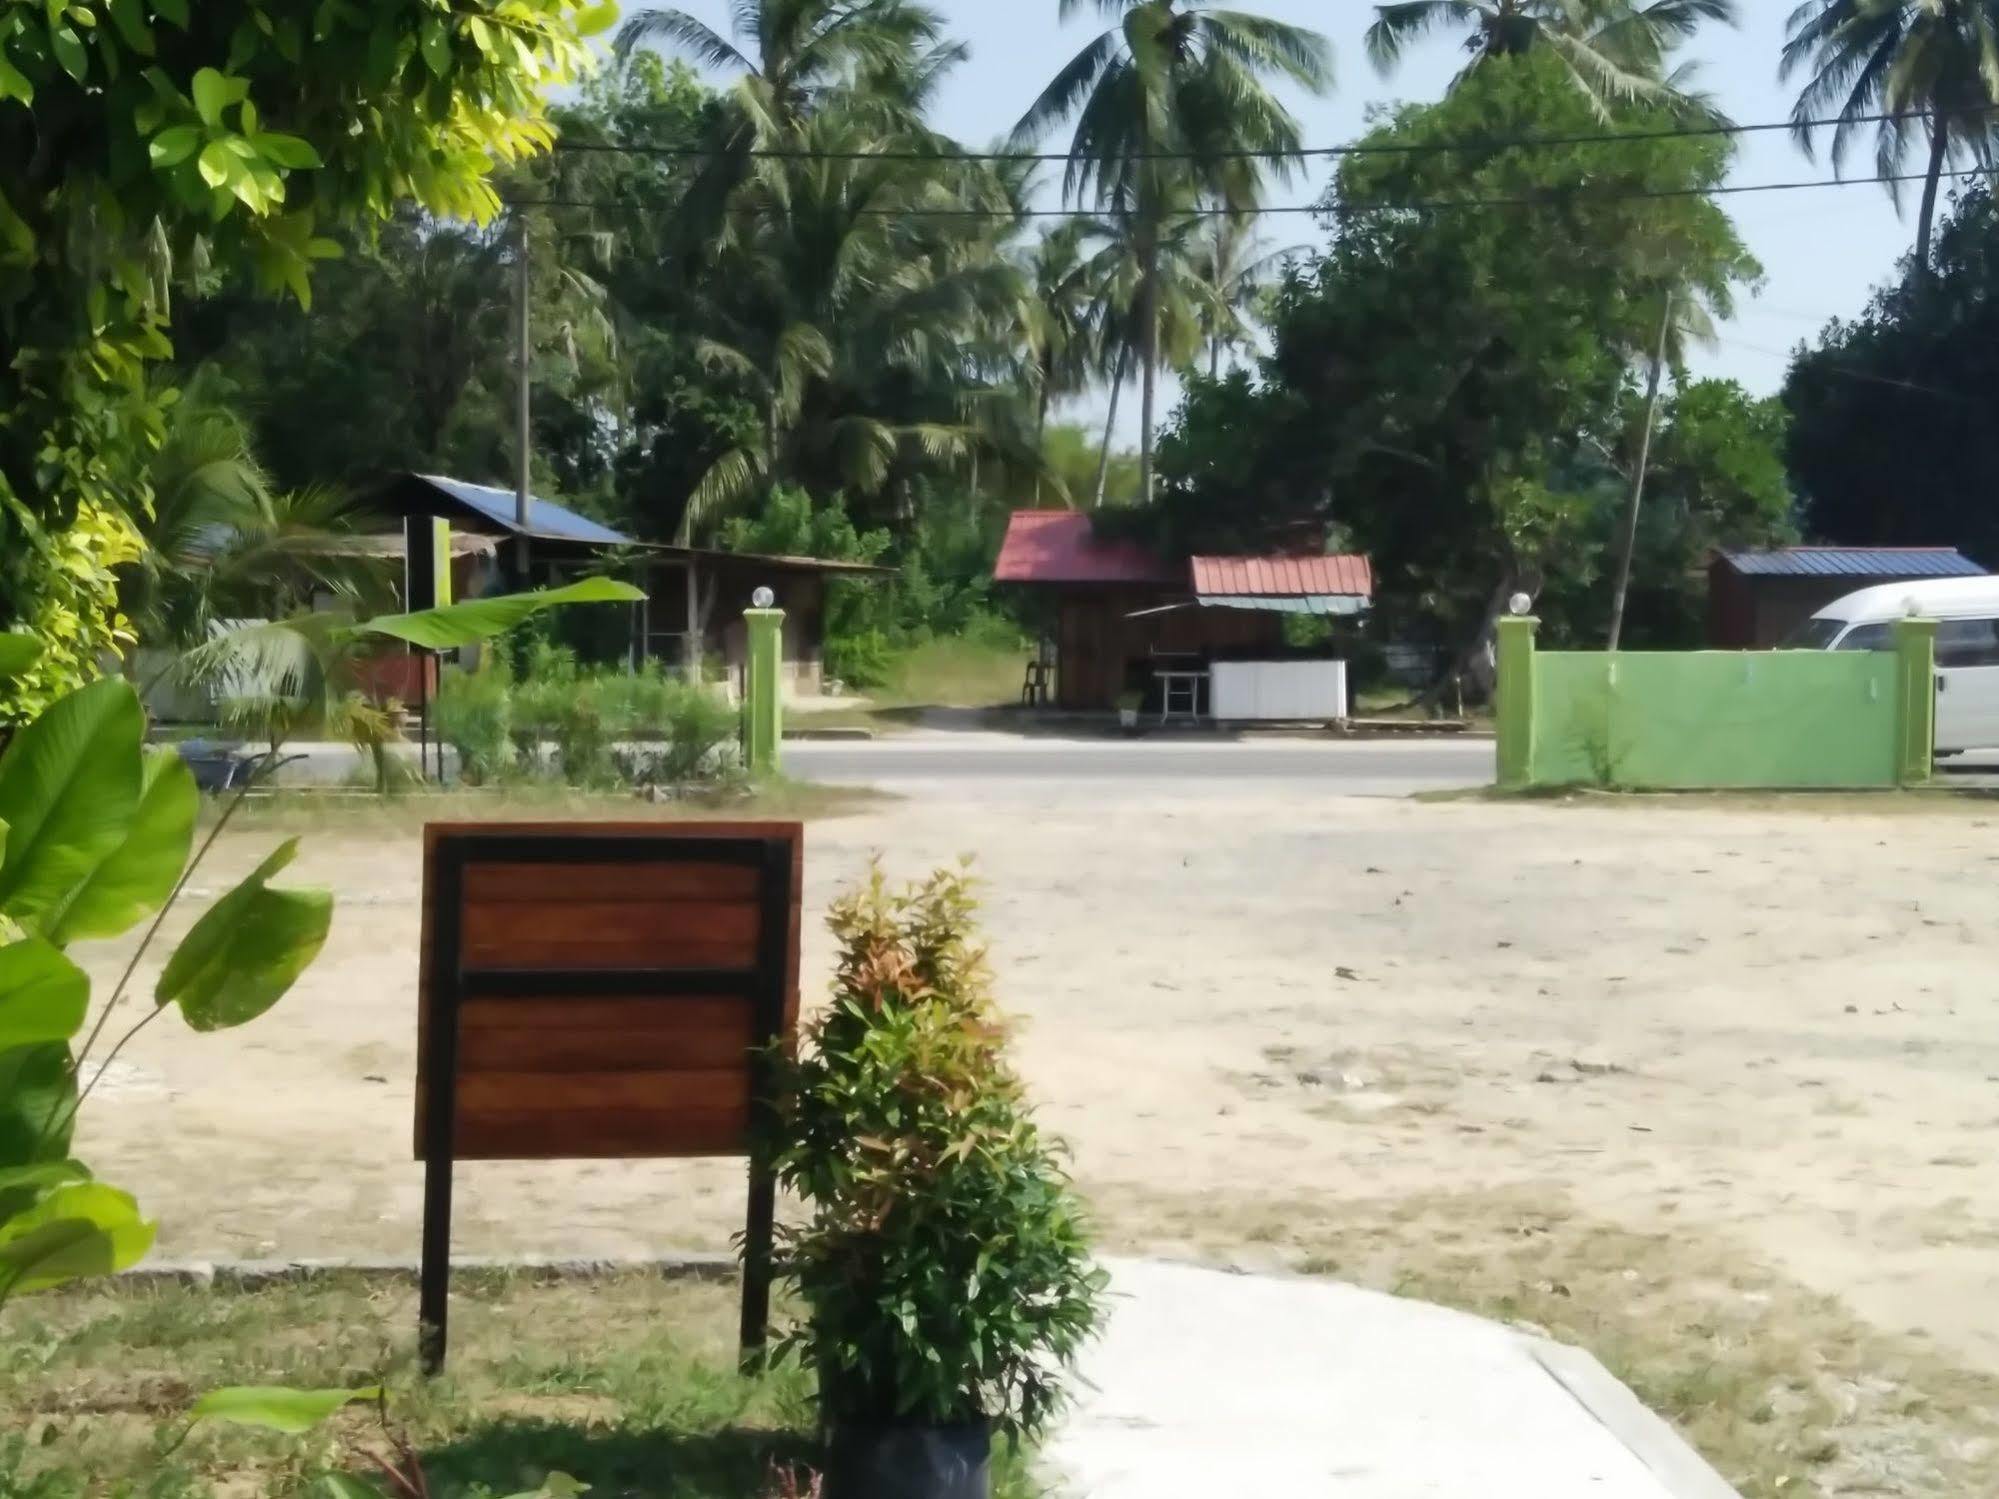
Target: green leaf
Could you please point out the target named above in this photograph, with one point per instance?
(555, 1486)
(344, 1486)
(219, 164)
(251, 946)
(44, 1174)
(129, 16)
(275, 1408)
(69, 51)
(14, 83)
(286, 150)
(135, 878)
(17, 652)
(43, 996)
(595, 18)
(70, 1233)
(173, 10)
(173, 146)
(37, 1090)
(69, 785)
(436, 47)
(213, 93)
(453, 625)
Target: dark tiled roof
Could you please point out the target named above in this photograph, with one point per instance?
(1855, 562)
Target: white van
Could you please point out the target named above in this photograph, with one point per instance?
(1967, 615)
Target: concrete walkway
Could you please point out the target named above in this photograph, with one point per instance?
(1209, 1385)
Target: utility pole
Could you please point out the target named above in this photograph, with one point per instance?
(1628, 533)
(522, 431)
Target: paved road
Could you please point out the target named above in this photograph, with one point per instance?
(1339, 767)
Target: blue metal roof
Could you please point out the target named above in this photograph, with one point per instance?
(1856, 562)
(547, 520)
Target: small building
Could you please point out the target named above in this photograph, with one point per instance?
(1126, 620)
(695, 596)
(1755, 600)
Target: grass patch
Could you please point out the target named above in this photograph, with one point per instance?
(301, 810)
(953, 673)
(1886, 801)
(1785, 1391)
(626, 1382)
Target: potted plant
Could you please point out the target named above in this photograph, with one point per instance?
(943, 1276)
(1128, 703)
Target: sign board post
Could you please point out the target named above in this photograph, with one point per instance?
(602, 991)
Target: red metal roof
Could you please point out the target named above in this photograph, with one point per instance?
(1059, 546)
(1283, 577)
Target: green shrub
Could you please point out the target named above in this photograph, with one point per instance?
(583, 732)
(475, 716)
(944, 1272)
(860, 660)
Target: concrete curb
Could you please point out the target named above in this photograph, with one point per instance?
(1683, 1472)
(250, 1274)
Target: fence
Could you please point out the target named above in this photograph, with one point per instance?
(1692, 719)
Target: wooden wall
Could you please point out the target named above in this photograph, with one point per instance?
(1102, 649)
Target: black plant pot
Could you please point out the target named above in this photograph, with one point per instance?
(909, 1462)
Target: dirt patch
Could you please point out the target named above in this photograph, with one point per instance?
(1756, 1034)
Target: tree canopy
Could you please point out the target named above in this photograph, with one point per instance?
(144, 143)
(1892, 440)
(1450, 389)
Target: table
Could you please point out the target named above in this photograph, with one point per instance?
(1179, 686)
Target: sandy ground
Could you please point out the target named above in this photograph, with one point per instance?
(1773, 1028)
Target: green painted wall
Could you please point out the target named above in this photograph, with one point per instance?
(1716, 718)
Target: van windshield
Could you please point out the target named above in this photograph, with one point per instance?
(1813, 635)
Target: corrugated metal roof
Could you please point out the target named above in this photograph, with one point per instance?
(1061, 546)
(1855, 562)
(1298, 603)
(1283, 577)
(547, 521)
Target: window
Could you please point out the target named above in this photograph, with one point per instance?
(1968, 642)
(1868, 638)
(1812, 635)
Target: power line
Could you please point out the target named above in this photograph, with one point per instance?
(1553, 198)
(1499, 143)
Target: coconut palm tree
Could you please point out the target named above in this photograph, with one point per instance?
(1172, 102)
(1617, 51)
(1232, 270)
(1933, 65)
(1063, 333)
(799, 51)
(855, 291)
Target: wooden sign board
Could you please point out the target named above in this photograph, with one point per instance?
(601, 991)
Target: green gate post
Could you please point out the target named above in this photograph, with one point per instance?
(763, 713)
(1514, 698)
(1915, 700)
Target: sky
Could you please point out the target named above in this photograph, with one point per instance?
(1823, 251)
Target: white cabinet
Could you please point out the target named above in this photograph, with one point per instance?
(1292, 691)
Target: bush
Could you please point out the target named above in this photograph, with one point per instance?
(606, 726)
(475, 716)
(858, 660)
(944, 1272)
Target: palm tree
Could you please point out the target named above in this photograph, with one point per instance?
(221, 544)
(1117, 274)
(1063, 342)
(1170, 103)
(848, 302)
(1233, 271)
(1617, 51)
(1934, 61)
(800, 50)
